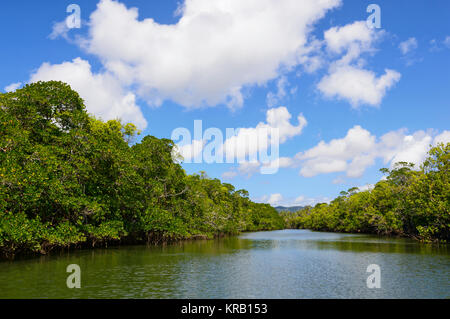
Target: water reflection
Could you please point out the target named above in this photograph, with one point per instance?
(279, 264)
(306, 239)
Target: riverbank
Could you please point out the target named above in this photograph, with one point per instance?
(149, 240)
(68, 179)
(408, 202)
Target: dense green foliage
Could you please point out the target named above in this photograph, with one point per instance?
(68, 179)
(413, 203)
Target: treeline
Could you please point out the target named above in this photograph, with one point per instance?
(68, 179)
(409, 202)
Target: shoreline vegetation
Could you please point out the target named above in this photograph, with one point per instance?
(69, 180)
(405, 203)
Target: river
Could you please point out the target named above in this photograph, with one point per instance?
(278, 264)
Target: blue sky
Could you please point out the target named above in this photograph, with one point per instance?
(370, 97)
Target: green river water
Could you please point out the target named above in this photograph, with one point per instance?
(278, 264)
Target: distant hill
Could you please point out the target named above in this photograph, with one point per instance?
(291, 209)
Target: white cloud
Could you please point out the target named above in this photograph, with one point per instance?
(280, 118)
(191, 151)
(444, 137)
(367, 187)
(248, 168)
(357, 85)
(229, 175)
(274, 98)
(355, 36)
(312, 57)
(398, 147)
(347, 154)
(347, 79)
(309, 201)
(359, 149)
(245, 168)
(60, 29)
(281, 162)
(275, 199)
(278, 199)
(241, 144)
(355, 152)
(276, 118)
(408, 45)
(13, 86)
(435, 45)
(215, 49)
(447, 41)
(102, 93)
(242, 147)
(408, 48)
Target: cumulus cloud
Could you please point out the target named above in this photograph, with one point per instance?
(399, 147)
(280, 118)
(408, 45)
(215, 49)
(355, 37)
(347, 79)
(355, 152)
(275, 199)
(13, 86)
(249, 142)
(103, 93)
(339, 154)
(444, 137)
(367, 187)
(192, 150)
(359, 149)
(357, 85)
